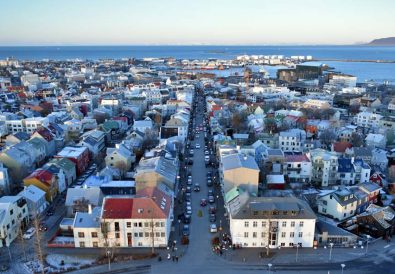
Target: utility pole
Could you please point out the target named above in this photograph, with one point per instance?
(22, 240)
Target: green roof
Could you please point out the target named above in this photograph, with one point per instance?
(64, 163)
(109, 125)
(233, 193)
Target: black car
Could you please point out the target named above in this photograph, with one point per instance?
(196, 188)
(210, 192)
(187, 219)
(190, 162)
(188, 189)
(212, 218)
(209, 183)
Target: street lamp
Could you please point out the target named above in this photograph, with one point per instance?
(330, 251)
(367, 244)
(297, 252)
(270, 267)
(109, 259)
(343, 266)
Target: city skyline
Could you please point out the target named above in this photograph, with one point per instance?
(201, 22)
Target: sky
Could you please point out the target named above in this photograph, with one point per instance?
(194, 22)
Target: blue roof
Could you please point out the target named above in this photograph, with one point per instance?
(344, 165)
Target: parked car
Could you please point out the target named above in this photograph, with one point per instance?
(196, 188)
(185, 230)
(203, 202)
(206, 152)
(190, 162)
(189, 182)
(29, 233)
(188, 189)
(213, 228)
(212, 210)
(211, 199)
(210, 192)
(49, 213)
(187, 219)
(209, 182)
(188, 210)
(212, 218)
(197, 146)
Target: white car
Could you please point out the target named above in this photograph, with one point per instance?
(29, 233)
(206, 152)
(213, 228)
(197, 146)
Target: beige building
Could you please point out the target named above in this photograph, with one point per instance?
(238, 170)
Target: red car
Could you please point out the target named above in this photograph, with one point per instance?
(212, 209)
(203, 202)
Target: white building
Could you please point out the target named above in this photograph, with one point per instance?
(376, 140)
(35, 198)
(338, 204)
(324, 167)
(292, 140)
(28, 125)
(343, 80)
(4, 180)
(126, 222)
(297, 168)
(274, 222)
(13, 214)
(367, 119)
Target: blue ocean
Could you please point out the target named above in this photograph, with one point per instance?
(363, 70)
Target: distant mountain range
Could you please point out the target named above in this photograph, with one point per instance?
(389, 41)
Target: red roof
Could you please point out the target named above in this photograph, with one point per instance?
(341, 146)
(45, 133)
(132, 208)
(296, 158)
(42, 175)
(124, 119)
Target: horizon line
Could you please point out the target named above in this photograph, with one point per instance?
(177, 45)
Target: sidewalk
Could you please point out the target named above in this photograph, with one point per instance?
(290, 256)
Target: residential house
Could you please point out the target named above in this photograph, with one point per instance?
(68, 167)
(297, 167)
(327, 232)
(45, 180)
(16, 138)
(14, 215)
(120, 157)
(324, 167)
(39, 150)
(379, 222)
(46, 135)
(292, 140)
(379, 159)
(367, 119)
(80, 156)
(272, 222)
(79, 199)
(345, 171)
(376, 140)
(338, 204)
(94, 140)
(152, 172)
(238, 170)
(35, 197)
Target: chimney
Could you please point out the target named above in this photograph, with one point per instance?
(89, 208)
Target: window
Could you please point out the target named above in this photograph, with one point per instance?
(284, 224)
(157, 234)
(135, 224)
(157, 224)
(94, 234)
(140, 224)
(11, 211)
(301, 223)
(116, 226)
(292, 224)
(255, 224)
(323, 210)
(146, 224)
(324, 202)
(246, 224)
(81, 235)
(162, 224)
(136, 234)
(245, 234)
(95, 244)
(300, 234)
(283, 234)
(254, 234)
(82, 244)
(117, 235)
(128, 224)
(282, 244)
(263, 224)
(292, 234)
(140, 234)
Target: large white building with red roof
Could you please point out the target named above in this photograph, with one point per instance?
(140, 221)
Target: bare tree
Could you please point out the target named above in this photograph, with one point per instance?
(357, 139)
(81, 205)
(327, 137)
